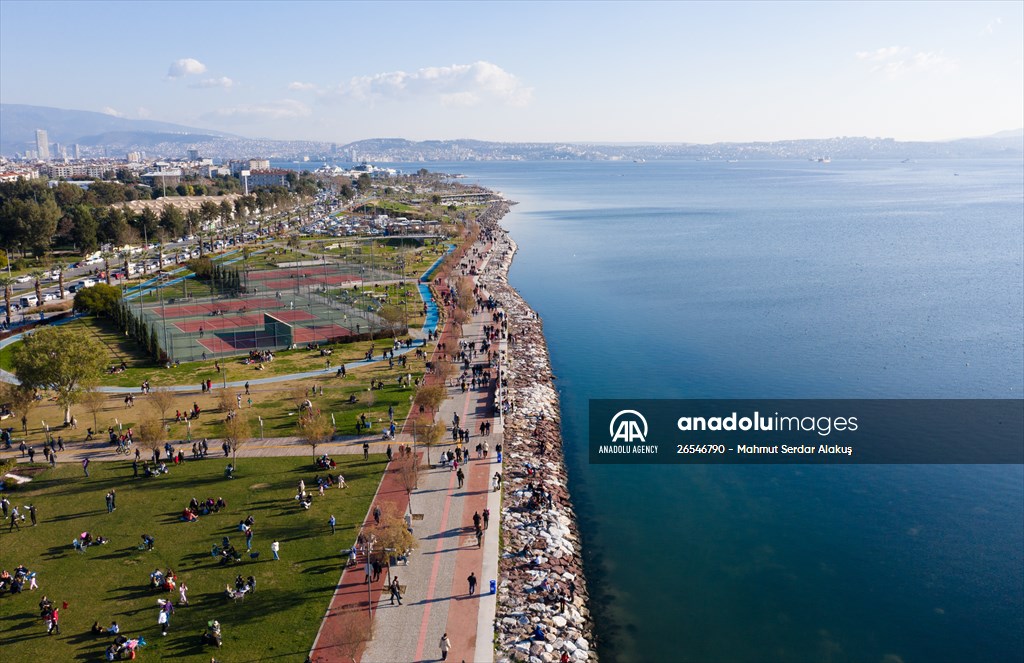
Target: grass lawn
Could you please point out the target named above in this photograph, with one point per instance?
(276, 403)
(111, 582)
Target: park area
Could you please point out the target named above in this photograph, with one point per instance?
(278, 620)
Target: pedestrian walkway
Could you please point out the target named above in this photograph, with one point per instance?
(435, 596)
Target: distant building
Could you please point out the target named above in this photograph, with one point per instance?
(134, 157)
(237, 166)
(268, 177)
(42, 145)
(162, 178)
(66, 171)
(193, 155)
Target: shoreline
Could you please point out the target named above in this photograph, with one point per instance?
(532, 434)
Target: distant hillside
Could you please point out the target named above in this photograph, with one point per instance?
(18, 124)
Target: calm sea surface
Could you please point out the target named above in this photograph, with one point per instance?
(784, 280)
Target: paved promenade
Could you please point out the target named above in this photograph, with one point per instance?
(435, 596)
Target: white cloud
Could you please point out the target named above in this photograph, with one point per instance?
(458, 84)
(223, 82)
(881, 54)
(897, 61)
(991, 27)
(185, 67)
(142, 112)
(107, 110)
(300, 86)
(285, 109)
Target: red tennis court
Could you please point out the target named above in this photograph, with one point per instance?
(312, 334)
(192, 310)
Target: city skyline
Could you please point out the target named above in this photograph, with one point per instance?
(572, 72)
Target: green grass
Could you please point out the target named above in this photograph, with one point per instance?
(111, 582)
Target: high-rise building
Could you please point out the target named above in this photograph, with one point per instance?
(193, 155)
(42, 145)
(78, 151)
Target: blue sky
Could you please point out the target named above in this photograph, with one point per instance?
(523, 71)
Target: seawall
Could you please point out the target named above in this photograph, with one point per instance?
(541, 559)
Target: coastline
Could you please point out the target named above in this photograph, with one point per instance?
(532, 434)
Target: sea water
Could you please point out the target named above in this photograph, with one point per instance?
(784, 279)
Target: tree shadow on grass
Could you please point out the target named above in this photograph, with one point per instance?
(118, 554)
(75, 516)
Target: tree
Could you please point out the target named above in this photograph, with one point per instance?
(162, 399)
(431, 397)
(60, 359)
(409, 470)
(85, 228)
(7, 283)
(94, 401)
(61, 268)
(37, 277)
(152, 433)
(315, 429)
(236, 432)
(20, 398)
(393, 537)
(172, 220)
(107, 255)
(428, 435)
(395, 317)
(100, 299)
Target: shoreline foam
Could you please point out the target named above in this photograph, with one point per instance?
(533, 435)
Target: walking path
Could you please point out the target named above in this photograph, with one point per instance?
(435, 596)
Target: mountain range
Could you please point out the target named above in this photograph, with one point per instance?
(99, 134)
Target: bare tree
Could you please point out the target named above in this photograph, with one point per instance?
(428, 435)
(409, 470)
(315, 429)
(356, 630)
(151, 432)
(225, 401)
(162, 399)
(237, 432)
(94, 400)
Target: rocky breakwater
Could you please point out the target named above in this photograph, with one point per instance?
(542, 596)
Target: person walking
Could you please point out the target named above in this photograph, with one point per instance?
(14, 521)
(182, 592)
(472, 582)
(32, 513)
(376, 515)
(476, 520)
(275, 548)
(163, 620)
(445, 646)
(461, 476)
(110, 502)
(396, 592)
(85, 466)
(487, 517)
(54, 623)
(248, 539)
(113, 499)
(479, 537)
(366, 451)
(332, 522)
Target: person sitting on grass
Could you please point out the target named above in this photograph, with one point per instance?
(148, 541)
(229, 471)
